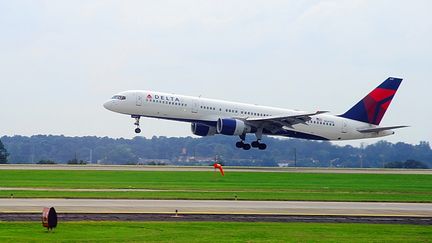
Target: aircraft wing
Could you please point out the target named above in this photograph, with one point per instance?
(379, 129)
(281, 121)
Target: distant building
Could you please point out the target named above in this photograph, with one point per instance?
(153, 161)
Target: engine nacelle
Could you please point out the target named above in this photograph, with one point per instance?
(228, 126)
(202, 130)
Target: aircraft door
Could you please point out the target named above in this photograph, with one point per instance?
(344, 127)
(138, 99)
(195, 106)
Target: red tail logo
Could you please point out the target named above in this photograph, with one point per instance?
(371, 109)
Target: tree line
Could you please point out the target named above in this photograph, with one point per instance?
(3, 154)
(192, 151)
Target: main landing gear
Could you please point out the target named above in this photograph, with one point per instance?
(241, 144)
(254, 144)
(137, 123)
(257, 144)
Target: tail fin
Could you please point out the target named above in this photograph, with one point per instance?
(371, 109)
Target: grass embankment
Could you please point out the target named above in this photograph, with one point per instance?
(213, 232)
(209, 185)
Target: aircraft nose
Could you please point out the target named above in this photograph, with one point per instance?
(109, 105)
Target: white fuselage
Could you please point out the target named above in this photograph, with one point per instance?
(208, 111)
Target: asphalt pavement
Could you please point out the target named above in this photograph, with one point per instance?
(31, 205)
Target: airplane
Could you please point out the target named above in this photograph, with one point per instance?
(210, 116)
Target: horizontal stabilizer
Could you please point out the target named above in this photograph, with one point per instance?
(379, 129)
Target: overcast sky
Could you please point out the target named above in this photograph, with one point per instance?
(60, 60)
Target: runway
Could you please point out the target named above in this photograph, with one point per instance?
(209, 168)
(104, 206)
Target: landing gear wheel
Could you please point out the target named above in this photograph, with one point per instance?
(255, 144)
(240, 144)
(137, 123)
(246, 146)
(262, 146)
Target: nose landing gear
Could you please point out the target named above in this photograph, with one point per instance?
(137, 123)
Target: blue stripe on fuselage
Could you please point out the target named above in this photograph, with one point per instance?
(204, 122)
(285, 133)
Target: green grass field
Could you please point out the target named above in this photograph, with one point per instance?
(212, 232)
(209, 185)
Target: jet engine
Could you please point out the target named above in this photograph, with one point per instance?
(229, 126)
(202, 130)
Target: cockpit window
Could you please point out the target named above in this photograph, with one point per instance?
(118, 97)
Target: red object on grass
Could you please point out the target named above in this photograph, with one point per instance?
(219, 166)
